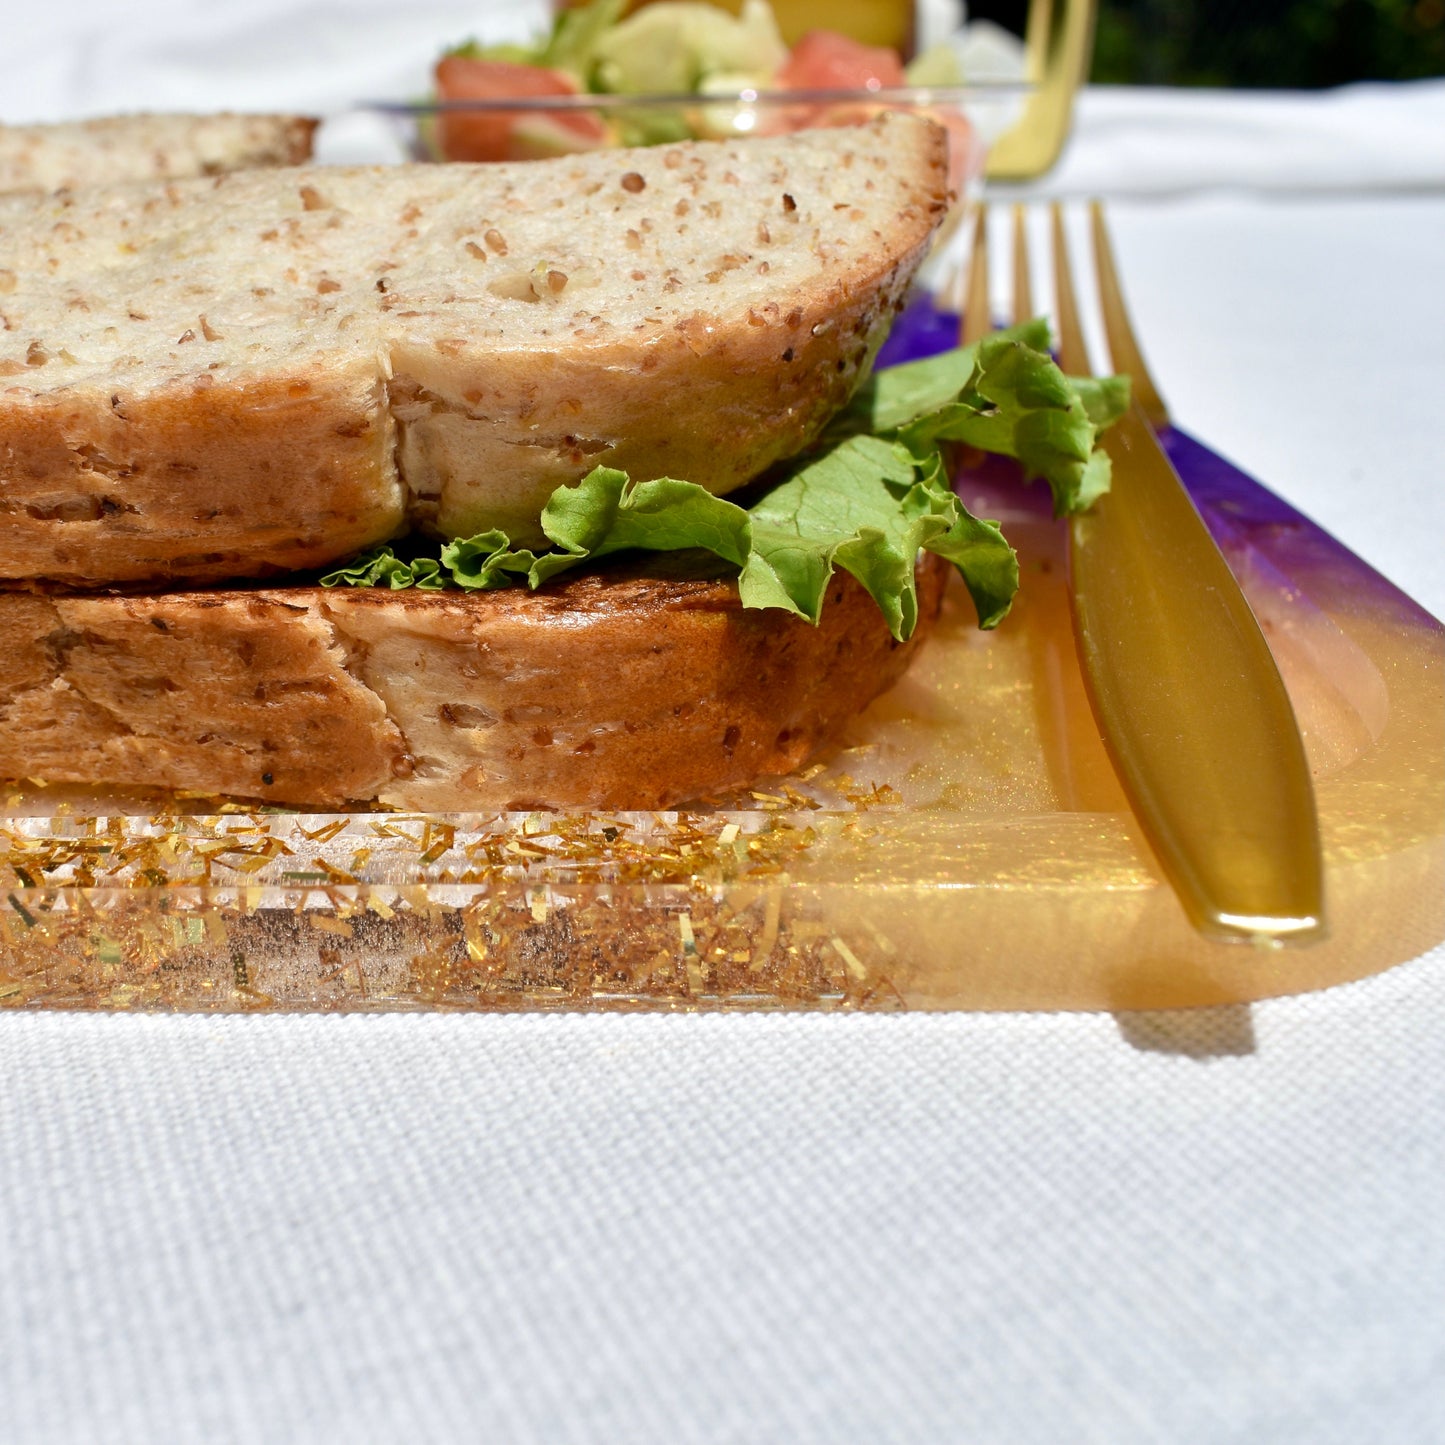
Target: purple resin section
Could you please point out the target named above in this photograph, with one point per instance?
(920, 330)
(1244, 517)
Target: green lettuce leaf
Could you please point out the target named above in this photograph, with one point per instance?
(569, 45)
(1105, 398)
(1004, 395)
(381, 567)
(869, 498)
(606, 512)
(897, 395)
(862, 505)
(576, 31)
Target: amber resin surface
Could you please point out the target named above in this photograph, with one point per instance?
(967, 847)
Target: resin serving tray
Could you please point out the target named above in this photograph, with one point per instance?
(966, 847)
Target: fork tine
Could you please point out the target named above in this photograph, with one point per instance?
(1023, 292)
(1073, 354)
(977, 322)
(1123, 345)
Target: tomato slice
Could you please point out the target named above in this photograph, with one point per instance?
(825, 60)
(499, 136)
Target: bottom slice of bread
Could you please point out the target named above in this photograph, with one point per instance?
(627, 688)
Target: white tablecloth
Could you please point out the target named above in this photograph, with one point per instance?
(924, 1229)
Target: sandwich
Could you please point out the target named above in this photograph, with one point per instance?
(611, 510)
(68, 155)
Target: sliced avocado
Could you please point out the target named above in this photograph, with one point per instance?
(673, 46)
(938, 65)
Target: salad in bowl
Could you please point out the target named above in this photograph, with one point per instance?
(680, 70)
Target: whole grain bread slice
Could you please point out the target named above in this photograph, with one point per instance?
(66, 155)
(265, 371)
(624, 688)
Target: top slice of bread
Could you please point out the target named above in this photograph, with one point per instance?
(265, 371)
(119, 148)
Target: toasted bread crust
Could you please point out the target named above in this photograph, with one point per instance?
(191, 482)
(737, 319)
(617, 689)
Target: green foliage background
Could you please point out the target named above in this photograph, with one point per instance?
(1268, 43)
(1277, 44)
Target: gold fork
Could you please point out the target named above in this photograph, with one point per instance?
(1186, 694)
